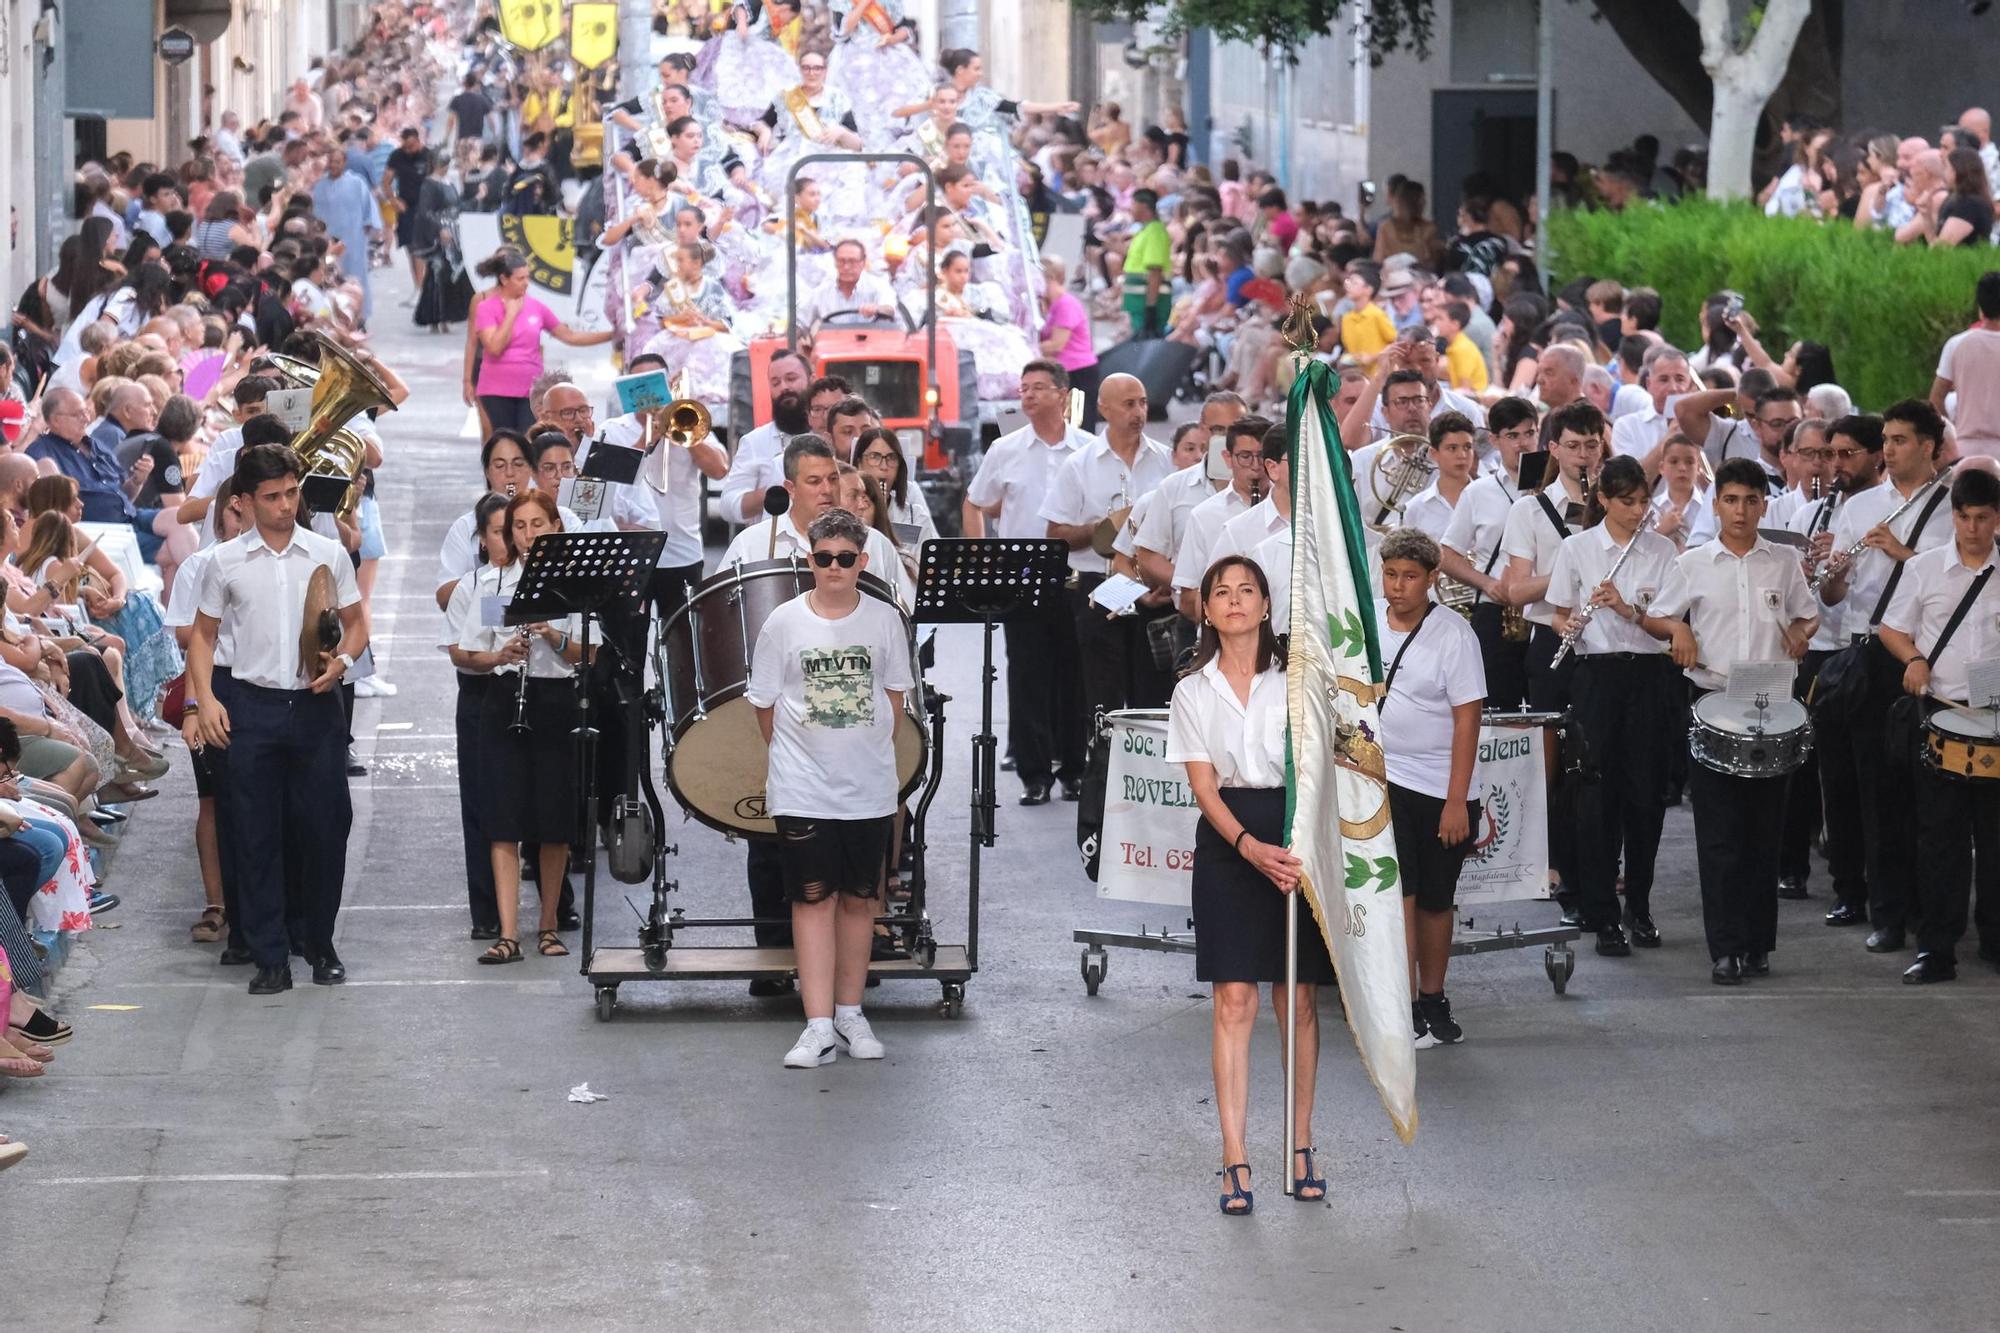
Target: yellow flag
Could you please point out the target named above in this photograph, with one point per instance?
(530, 25)
(593, 33)
(548, 244)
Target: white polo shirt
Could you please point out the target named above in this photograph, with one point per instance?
(1739, 606)
(259, 595)
(1638, 433)
(1166, 524)
(1651, 582)
(1429, 512)
(1016, 474)
(1934, 582)
(1245, 742)
(1093, 481)
(1869, 571)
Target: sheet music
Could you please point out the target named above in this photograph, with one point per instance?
(1983, 688)
(1773, 680)
(1118, 594)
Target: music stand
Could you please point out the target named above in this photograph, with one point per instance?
(986, 581)
(581, 574)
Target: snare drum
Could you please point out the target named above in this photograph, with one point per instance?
(1736, 737)
(1962, 745)
(716, 757)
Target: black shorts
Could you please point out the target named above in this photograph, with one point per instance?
(1429, 868)
(207, 764)
(828, 856)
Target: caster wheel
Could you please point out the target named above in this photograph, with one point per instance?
(1095, 964)
(656, 959)
(607, 1000)
(1559, 964)
(926, 954)
(954, 999)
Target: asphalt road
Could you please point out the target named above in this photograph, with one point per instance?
(1814, 1151)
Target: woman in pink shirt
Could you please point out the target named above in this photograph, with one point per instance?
(510, 324)
(1066, 337)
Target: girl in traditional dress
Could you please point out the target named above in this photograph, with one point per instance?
(875, 63)
(694, 338)
(975, 313)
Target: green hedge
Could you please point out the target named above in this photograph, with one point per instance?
(1883, 309)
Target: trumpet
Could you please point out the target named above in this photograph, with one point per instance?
(1579, 619)
(1840, 559)
(519, 726)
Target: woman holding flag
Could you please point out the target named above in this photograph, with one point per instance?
(1227, 726)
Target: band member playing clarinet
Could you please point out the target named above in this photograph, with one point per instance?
(529, 783)
(1624, 694)
(279, 716)
(1944, 618)
(1431, 699)
(827, 678)
(1227, 726)
(1747, 602)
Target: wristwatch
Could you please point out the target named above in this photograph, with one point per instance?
(346, 661)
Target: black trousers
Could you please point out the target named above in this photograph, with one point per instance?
(1734, 819)
(480, 898)
(1506, 662)
(1888, 822)
(1548, 691)
(92, 690)
(1802, 801)
(288, 780)
(1045, 718)
(212, 765)
(1842, 750)
(1625, 705)
(1958, 853)
(1118, 669)
(765, 867)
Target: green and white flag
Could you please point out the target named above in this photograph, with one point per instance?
(1337, 794)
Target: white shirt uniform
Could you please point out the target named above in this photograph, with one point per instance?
(1371, 491)
(1204, 524)
(1242, 535)
(1126, 543)
(1530, 536)
(757, 465)
(218, 464)
(475, 636)
(1780, 507)
(1165, 527)
(458, 553)
(259, 595)
(1639, 433)
(1698, 521)
(1274, 556)
(754, 543)
(1739, 606)
(186, 596)
(638, 505)
(1016, 474)
(1807, 520)
(1245, 743)
(1868, 573)
(1440, 669)
(461, 610)
(833, 735)
(1934, 582)
(1651, 582)
(1449, 400)
(1479, 521)
(826, 299)
(1093, 481)
(1429, 512)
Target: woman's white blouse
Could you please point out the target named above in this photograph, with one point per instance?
(544, 663)
(1244, 743)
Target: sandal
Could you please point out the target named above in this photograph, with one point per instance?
(1236, 1191)
(1308, 1181)
(504, 950)
(11, 1152)
(41, 1028)
(211, 927)
(550, 945)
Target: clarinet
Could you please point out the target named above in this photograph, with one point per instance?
(1580, 619)
(519, 726)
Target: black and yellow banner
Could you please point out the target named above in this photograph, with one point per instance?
(593, 33)
(530, 25)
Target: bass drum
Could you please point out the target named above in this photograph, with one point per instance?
(716, 757)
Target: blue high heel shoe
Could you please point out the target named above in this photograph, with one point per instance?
(1308, 1181)
(1236, 1191)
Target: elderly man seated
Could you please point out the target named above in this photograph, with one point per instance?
(89, 456)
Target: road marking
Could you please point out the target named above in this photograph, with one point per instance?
(1952, 1194)
(394, 726)
(267, 1178)
(528, 987)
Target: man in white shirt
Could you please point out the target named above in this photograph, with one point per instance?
(1120, 670)
(1958, 816)
(280, 716)
(676, 511)
(1269, 517)
(1804, 813)
(1243, 445)
(1698, 416)
(1382, 471)
(1747, 602)
(1045, 721)
(757, 464)
(1969, 367)
(219, 463)
(1666, 376)
(1808, 468)
(851, 289)
(1158, 539)
(1471, 551)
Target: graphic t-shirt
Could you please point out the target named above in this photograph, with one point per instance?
(833, 739)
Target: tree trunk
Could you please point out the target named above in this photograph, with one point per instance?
(1732, 140)
(1744, 81)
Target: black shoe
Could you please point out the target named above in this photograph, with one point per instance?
(1728, 971)
(1034, 793)
(567, 919)
(1644, 933)
(1436, 1012)
(1572, 917)
(233, 955)
(1006, 763)
(1612, 944)
(355, 768)
(873, 982)
(1792, 888)
(328, 970)
(1072, 789)
(1885, 941)
(770, 988)
(100, 903)
(1930, 966)
(1756, 965)
(271, 980)
(884, 949)
(1845, 915)
(483, 932)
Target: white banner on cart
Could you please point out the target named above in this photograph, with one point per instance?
(1147, 851)
(1510, 849)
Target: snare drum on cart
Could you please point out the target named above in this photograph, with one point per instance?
(1746, 738)
(1963, 745)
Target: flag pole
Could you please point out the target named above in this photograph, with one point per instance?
(1291, 1012)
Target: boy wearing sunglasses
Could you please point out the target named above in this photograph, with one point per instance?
(827, 679)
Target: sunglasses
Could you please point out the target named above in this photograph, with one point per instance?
(827, 559)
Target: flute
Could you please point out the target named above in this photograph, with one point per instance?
(1840, 559)
(1580, 619)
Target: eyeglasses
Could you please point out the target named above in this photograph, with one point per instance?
(807, 67)
(1247, 457)
(1778, 423)
(571, 413)
(827, 559)
(878, 456)
(1814, 455)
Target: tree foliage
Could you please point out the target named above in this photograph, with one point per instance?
(1283, 26)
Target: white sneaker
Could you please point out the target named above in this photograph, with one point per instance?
(862, 1043)
(815, 1047)
(373, 687)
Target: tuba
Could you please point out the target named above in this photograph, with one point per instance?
(342, 389)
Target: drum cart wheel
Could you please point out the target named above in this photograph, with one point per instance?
(1095, 964)
(607, 1000)
(954, 998)
(1559, 961)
